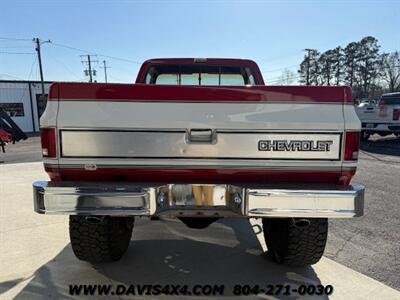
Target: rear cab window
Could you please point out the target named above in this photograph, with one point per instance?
(392, 99)
(199, 74)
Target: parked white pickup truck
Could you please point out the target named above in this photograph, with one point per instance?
(383, 118)
(199, 140)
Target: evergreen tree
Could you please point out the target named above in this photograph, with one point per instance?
(368, 63)
(309, 68)
(338, 65)
(359, 65)
(351, 53)
(326, 67)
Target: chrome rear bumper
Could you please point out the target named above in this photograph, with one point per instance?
(198, 200)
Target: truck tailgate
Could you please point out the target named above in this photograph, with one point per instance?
(115, 127)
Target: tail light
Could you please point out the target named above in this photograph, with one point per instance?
(351, 145)
(396, 114)
(382, 109)
(49, 142)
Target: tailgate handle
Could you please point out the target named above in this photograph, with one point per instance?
(201, 136)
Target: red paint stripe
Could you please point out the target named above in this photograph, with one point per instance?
(199, 175)
(143, 92)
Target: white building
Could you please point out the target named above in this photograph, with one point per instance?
(22, 101)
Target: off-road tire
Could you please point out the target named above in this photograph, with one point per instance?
(99, 242)
(294, 245)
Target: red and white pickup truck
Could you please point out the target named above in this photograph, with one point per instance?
(199, 140)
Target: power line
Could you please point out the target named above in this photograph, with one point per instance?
(31, 70)
(283, 68)
(95, 53)
(15, 47)
(14, 39)
(277, 77)
(119, 79)
(17, 53)
(278, 58)
(29, 77)
(279, 81)
(58, 45)
(12, 76)
(64, 66)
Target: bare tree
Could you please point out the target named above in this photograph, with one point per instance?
(287, 77)
(390, 70)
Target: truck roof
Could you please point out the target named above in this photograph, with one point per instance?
(190, 60)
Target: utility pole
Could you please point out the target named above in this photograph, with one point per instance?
(37, 41)
(89, 71)
(308, 66)
(105, 70)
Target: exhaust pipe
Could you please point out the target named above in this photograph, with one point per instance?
(301, 223)
(95, 219)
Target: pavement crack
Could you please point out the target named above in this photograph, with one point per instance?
(346, 241)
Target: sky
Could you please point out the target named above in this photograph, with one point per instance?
(125, 33)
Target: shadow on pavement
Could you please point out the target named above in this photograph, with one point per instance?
(389, 145)
(231, 256)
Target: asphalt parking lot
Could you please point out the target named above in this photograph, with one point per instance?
(24, 151)
(37, 260)
(371, 244)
